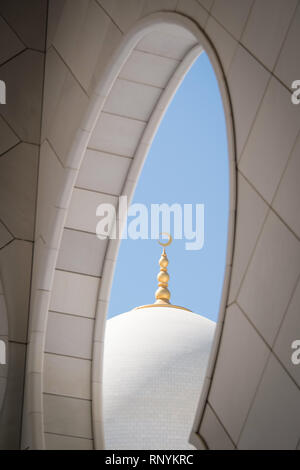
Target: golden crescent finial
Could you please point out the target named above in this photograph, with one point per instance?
(162, 294)
(168, 242)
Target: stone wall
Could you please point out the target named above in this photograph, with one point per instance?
(22, 57)
(252, 388)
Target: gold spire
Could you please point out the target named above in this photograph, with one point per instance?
(162, 294)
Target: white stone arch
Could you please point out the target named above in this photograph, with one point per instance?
(40, 414)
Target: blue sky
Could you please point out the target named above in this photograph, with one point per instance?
(187, 163)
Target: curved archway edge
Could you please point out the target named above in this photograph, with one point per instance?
(46, 258)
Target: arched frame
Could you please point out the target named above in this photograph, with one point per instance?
(45, 260)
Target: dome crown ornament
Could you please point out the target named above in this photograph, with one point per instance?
(162, 294)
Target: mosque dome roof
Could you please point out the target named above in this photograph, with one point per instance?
(155, 360)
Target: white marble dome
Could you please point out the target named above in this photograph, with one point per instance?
(155, 360)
